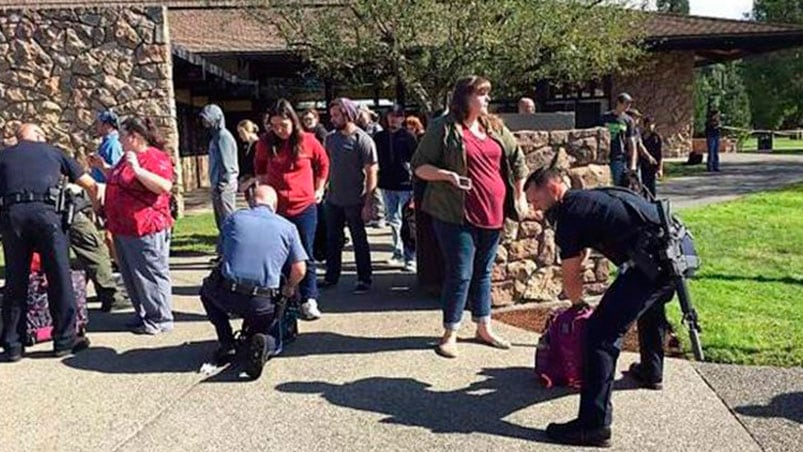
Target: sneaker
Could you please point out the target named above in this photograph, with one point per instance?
(572, 433)
(225, 355)
(257, 355)
(309, 310)
(362, 287)
(81, 343)
(636, 372)
(325, 284)
(410, 267)
(395, 262)
(145, 330)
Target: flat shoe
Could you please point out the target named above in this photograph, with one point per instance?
(495, 343)
(447, 350)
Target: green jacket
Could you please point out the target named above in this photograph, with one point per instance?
(442, 147)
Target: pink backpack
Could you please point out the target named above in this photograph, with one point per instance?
(559, 354)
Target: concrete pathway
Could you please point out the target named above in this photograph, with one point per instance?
(741, 174)
(362, 378)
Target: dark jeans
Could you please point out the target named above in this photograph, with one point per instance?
(618, 169)
(306, 222)
(648, 179)
(712, 141)
(469, 253)
(631, 296)
(27, 228)
(219, 301)
(337, 217)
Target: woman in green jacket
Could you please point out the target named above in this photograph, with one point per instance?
(475, 172)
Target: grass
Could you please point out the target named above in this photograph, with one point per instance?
(780, 145)
(678, 169)
(749, 292)
(194, 234)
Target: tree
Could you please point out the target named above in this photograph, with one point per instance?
(721, 86)
(424, 46)
(775, 81)
(673, 6)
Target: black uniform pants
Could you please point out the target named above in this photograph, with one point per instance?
(632, 296)
(219, 302)
(27, 228)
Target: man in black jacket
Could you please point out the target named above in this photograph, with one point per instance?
(395, 147)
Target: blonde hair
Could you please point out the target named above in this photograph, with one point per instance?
(248, 126)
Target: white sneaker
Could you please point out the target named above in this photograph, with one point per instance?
(395, 262)
(410, 267)
(309, 310)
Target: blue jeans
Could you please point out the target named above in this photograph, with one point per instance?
(338, 217)
(469, 253)
(394, 208)
(306, 222)
(712, 141)
(618, 168)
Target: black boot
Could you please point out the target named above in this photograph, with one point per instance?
(81, 343)
(112, 300)
(638, 373)
(573, 433)
(11, 356)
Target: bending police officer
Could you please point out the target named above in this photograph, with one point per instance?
(601, 220)
(247, 279)
(30, 171)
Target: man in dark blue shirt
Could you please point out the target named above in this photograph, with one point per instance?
(257, 245)
(595, 219)
(30, 172)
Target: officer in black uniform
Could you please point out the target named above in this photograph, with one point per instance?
(30, 172)
(595, 219)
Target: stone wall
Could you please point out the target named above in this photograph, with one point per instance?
(60, 67)
(663, 86)
(527, 265)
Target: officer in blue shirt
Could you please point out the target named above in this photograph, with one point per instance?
(110, 151)
(257, 246)
(30, 172)
(602, 220)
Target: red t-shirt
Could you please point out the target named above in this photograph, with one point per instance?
(293, 179)
(485, 202)
(132, 209)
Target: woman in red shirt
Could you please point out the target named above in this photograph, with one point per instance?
(295, 164)
(137, 209)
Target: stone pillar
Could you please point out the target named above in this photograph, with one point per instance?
(663, 87)
(60, 67)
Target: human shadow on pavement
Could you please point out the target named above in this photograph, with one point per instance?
(186, 291)
(327, 343)
(789, 406)
(184, 358)
(111, 322)
(480, 407)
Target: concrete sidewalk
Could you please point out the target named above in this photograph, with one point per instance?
(363, 378)
(741, 174)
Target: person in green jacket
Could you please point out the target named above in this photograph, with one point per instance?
(475, 173)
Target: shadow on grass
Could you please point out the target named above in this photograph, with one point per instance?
(758, 278)
(193, 244)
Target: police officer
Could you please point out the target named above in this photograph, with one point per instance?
(246, 281)
(596, 219)
(30, 172)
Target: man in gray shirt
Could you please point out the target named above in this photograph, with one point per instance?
(223, 167)
(352, 181)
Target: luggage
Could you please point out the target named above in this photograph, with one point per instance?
(39, 326)
(559, 354)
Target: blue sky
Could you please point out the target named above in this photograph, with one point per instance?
(732, 9)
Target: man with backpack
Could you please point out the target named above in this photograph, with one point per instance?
(615, 222)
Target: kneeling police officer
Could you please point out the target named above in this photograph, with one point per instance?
(257, 245)
(30, 174)
(611, 221)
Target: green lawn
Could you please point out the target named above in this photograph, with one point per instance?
(678, 169)
(194, 234)
(749, 292)
(780, 145)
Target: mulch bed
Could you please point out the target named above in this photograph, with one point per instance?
(534, 319)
